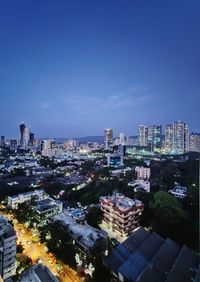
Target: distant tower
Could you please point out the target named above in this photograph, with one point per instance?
(169, 136)
(181, 137)
(143, 135)
(31, 139)
(121, 138)
(24, 136)
(108, 138)
(195, 142)
(22, 129)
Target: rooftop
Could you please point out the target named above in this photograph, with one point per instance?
(84, 233)
(121, 201)
(38, 273)
(146, 256)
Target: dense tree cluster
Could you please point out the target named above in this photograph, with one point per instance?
(58, 240)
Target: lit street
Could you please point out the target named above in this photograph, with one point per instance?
(38, 253)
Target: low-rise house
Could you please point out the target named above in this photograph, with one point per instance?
(140, 184)
(179, 192)
(86, 238)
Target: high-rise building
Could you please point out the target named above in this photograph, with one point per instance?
(121, 138)
(150, 136)
(108, 138)
(154, 138)
(2, 143)
(47, 148)
(143, 135)
(31, 139)
(22, 128)
(24, 136)
(181, 137)
(13, 145)
(169, 137)
(195, 142)
(7, 249)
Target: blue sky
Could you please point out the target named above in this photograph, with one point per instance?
(72, 68)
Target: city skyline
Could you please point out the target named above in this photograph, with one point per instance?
(64, 66)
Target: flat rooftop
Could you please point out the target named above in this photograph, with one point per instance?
(121, 201)
(84, 233)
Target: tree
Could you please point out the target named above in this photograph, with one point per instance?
(94, 216)
(169, 219)
(20, 248)
(58, 240)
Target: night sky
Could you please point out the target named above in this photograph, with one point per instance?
(72, 68)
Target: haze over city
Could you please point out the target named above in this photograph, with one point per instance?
(66, 64)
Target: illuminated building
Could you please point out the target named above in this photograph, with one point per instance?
(169, 137)
(181, 137)
(108, 138)
(195, 142)
(143, 135)
(114, 160)
(154, 138)
(121, 214)
(15, 200)
(47, 147)
(7, 249)
(121, 138)
(150, 136)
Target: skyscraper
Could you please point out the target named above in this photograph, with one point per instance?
(47, 148)
(108, 138)
(181, 137)
(2, 140)
(143, 135)
(169, 137)
(195, 142)
(24, 136)
(31, 139)
(157, 136)
(22, 128)
(121, 138)
(150, 136)
(7, 249)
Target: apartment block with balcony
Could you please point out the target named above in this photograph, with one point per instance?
(121, 214)
(7, 249)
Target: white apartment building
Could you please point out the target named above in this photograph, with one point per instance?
(14, 201)
(142, 172)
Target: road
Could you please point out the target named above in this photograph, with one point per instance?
(38, 253)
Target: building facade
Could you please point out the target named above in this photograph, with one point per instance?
(121, 214)
(195, 142)
(7, 249)
(143, 172)
(108, 138)
(181, 137)
(15, 200)
(143, 135)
